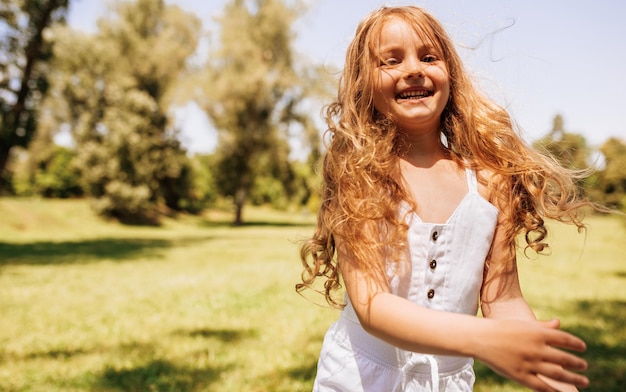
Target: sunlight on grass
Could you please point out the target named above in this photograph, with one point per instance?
(198, 305)
(583, 283)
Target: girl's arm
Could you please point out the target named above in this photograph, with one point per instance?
(501, 298)
(517, 349)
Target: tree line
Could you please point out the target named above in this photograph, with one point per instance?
(602, 170)
(114, 92)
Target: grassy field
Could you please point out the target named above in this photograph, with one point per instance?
(196, 305)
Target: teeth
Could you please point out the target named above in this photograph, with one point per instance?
(414, 94)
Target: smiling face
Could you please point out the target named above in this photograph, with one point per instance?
(412, 83)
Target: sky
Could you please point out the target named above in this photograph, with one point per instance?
(537, 58)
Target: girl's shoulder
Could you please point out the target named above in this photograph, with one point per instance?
(489, 183)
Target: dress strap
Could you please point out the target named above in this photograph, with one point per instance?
(472, 182)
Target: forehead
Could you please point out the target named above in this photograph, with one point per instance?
(396, 31)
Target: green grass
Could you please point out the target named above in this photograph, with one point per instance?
(197, 305)
(583, 283)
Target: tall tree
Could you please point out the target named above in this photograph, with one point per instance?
(116, 85)
(24, 52)
(609, 187)
(253, 91)
(569, 149)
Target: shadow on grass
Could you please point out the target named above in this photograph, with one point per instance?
(67, 252)
(159, 375)
(141, 367)
(601, 325)
(53, 354)
(301, 374)
(39, 253)
(305, 372)
(299, 377)
(224, 335)
(229, 224)
(58, 354)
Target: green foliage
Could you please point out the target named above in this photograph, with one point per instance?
(60, 177)
(569, 149)
(609, 185)
(253, 92)
(116, 87)
(55, 177)
(197, 305)
(307, 184)
(268, 190)
(128, 203)
(203, 191)
(24, 54)
(274, 175)
(113, 91)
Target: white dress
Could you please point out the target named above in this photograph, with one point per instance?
(446, 273)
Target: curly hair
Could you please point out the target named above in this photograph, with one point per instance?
(362, 189)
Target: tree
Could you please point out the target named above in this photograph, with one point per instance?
(609, 187)
(45, 169)
(24, 52)
(569, 149)
(117, 87)
(253, 91)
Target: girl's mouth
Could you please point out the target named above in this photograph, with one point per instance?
(414, 94)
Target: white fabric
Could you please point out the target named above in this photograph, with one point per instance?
(353, 360)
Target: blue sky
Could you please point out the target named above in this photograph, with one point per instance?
(538, 58)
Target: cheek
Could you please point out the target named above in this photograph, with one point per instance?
(444, 84)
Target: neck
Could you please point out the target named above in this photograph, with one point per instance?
(424, 150)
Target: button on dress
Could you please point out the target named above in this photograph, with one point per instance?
(446, 272)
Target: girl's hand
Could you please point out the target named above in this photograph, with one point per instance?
(528, 351)
(559, 386)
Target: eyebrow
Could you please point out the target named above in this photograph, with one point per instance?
(397, 47)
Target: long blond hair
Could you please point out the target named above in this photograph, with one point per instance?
(362, 187)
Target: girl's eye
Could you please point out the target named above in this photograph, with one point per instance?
(389, 62)
(429, 58)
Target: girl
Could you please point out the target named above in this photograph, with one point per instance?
(426, 187)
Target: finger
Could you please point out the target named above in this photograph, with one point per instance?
(566, 340)
(553, 324)
(557, 373)
(564, 359)
(536, 384)
(560, 386)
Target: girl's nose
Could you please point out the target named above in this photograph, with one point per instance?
(414, 67)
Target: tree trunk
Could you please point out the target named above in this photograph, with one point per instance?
(5, 149)
(31, 53)
(240, 200)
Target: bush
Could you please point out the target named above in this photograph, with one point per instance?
(129, 204)
(54, 177)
